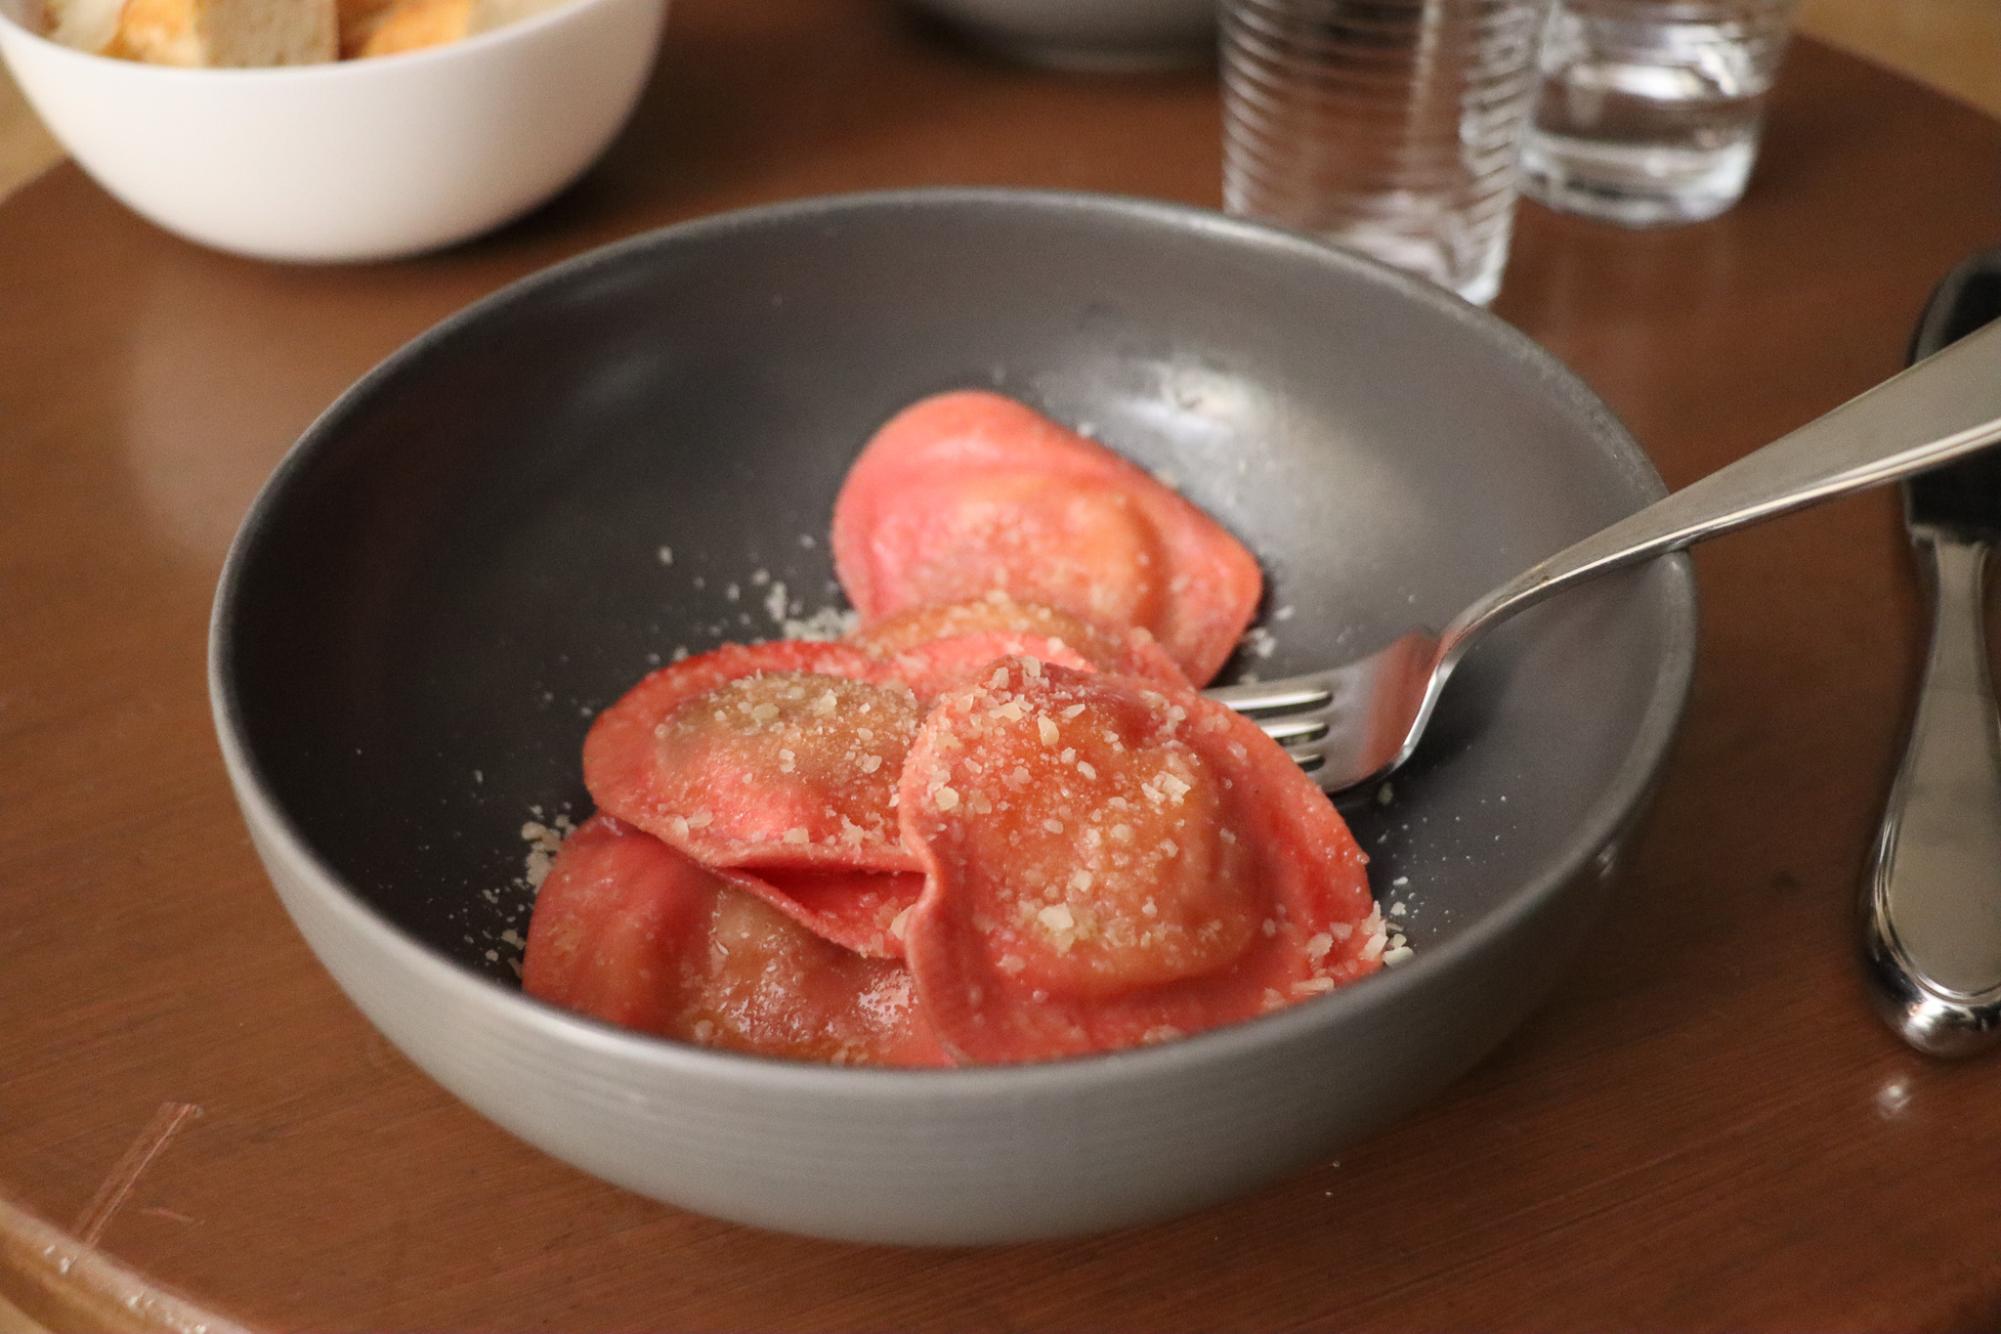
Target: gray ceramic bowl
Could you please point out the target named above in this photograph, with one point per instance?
(462, 557)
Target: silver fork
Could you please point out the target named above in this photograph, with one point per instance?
(1356, 723)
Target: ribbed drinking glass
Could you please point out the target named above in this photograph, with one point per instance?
(1391, 127)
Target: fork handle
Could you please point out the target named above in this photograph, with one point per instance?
(1949, 404)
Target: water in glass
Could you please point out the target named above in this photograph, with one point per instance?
(1650, 110)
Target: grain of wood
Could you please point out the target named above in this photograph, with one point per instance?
(52, 1282)
(26, 149)
(1952, 45)
(13, 1320)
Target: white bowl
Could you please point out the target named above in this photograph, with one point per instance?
(357, 160)
(1088, 34)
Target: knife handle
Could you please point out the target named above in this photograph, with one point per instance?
(1932, 900)
(1933, 922)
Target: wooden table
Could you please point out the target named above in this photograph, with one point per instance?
(1705, 1128)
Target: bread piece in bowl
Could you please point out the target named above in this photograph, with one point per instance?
(87, 25)
(358, 20)
(218, 33)
(411, 25)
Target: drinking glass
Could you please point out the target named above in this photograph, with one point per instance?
(1650, 110)
(1391, 127)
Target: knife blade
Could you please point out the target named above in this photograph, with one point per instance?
(1932, 896)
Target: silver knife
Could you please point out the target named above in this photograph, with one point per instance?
(1932, 900)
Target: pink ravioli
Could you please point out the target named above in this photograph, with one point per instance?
(935, 649)
(1110, 864)
(631, 932)
(858, 910)
(968, 492)
(777, 755)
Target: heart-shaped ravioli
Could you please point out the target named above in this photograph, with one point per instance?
(969, 492)
(1111, 864)
(773, 755)
(629, 931)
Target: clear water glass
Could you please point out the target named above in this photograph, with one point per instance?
(1650, 110)
(1390, 127)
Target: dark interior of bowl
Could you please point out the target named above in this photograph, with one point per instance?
(524, 512)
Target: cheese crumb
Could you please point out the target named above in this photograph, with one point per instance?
(544, 843)
(1046, 729)
(828, 623)
(945, 798)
